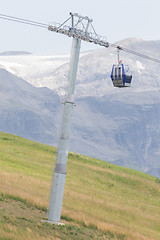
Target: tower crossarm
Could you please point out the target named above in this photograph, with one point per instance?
(80, 27)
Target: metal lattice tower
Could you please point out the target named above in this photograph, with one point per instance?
(81, 29)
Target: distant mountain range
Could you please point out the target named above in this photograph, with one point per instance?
(12, 53)
(121, 126)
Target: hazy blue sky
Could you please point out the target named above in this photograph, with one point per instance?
(115, 19)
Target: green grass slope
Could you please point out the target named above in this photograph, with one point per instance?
(101, 200)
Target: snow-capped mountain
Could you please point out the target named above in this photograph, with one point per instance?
(94, 69)
(117, 125)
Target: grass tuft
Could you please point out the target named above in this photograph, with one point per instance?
(157, 180)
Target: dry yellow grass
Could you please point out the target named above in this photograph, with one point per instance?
(111, 198)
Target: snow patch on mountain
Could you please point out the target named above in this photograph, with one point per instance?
(140, 67)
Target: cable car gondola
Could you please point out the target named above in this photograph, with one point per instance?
(120, 75)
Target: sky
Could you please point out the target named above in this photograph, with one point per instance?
(114, 19)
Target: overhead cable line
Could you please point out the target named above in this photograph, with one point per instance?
(43, 25)
(24, 21)
(135, 53)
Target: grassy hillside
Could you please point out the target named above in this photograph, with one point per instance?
(101, 200)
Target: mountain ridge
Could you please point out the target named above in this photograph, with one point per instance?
(26, 110)
(12, 53)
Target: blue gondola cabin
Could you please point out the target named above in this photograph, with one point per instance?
(120, 77)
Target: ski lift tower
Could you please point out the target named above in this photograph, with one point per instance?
(81, 28)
